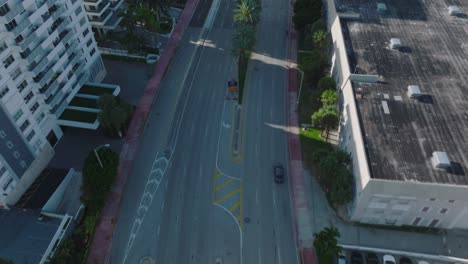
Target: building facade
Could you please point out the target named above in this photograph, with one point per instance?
(47, 52)
(391, 136)
(104, 15)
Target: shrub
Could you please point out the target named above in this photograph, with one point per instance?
(306, 12)
(326, 83)
(325, 118)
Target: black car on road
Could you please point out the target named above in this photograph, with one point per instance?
(278, 173)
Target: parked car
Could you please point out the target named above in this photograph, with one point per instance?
(389, 259)
(341, 258)
(278, 173)
(405, 260)
(372, 258)
(356, 258)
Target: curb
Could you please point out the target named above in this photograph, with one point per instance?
(99, 251)
(303, 230)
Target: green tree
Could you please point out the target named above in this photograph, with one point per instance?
(97, 180)
(243, 42)
(114, 113)
(64, 254)
(247, 12)
(326, 242)
(306, 12)
(5, 261)
(313, 64)
(325, 118)
(329, 97)
(158, 7)
(319, 39)
(129, 18)
(342, 188)
(326, 83)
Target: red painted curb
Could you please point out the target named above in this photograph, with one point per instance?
(99, 251)
(297, 181)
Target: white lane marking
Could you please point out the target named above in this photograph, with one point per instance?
(206, 131)
(279, 255)
(159, 226)
(191, 130)
(274, 198)
(256, 150)
(167, 181)
(271, 114)
(256, 195)
(162, 206)
(259, 256)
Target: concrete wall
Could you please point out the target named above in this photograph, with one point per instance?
(39, 164)
(400, 203)
(351, 139)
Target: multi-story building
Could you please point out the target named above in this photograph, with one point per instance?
(47, 52)
(104, 15)
(401, 69)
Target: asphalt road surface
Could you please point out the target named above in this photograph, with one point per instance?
(187, 200)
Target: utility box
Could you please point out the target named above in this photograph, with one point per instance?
(381, 7)
(440, 160)
(454, 11)
(395, 43)
(414, 91)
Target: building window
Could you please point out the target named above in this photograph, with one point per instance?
(82, 21)
(10, 26)
(31, 135)
(78, 11)
(19, 39)
(34, 107)
(15, 74)
(8, 61)
(89, 42)
(22, 85)
(92, 52)
(2, 170)
(7, 183)
(40, 118)
(37, 144)
(432, 199)
(451, 201)
(18, 115)
(416, 221)
(85, 32)
(2, 134)
(28, 97)
(24, 125)
(443, 210)
(425, 209)
(4, 9)
(9, 144)
(434, 222)
(3, 92)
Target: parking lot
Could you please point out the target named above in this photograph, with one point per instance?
(374, 257)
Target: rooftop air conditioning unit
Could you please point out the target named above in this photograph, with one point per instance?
(440, 160)
(414, 91)
(381, 7)
(454, 10)
(395, 43)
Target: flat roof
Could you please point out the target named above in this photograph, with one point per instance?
(401, 133)
(24, 239)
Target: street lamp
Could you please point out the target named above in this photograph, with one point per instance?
(300, 88)
(97, 155)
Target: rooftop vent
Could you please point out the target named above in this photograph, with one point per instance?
(454, 10)
(381, 7)
(395, 43)
(414, 91)
(440, 160)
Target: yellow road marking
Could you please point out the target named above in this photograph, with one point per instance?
(224, 184)
(216, 173)
(228, 195)
(239, 217)
(234, 206)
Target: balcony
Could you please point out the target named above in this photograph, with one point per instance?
(102, 18)
(55, 25)
(37, 68)
(29, 39)
(72, 48)
(22, 26)
(33, 55)
(116, 4)
(14, 12)
(97, 10)
(60, 12)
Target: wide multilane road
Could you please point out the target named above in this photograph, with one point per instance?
(192, 198)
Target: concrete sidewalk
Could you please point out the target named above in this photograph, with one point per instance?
(323, 216)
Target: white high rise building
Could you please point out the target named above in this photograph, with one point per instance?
(47, 52)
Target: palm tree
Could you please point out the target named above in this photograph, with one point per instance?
(159, 7)
(114, 114)
(329, 97)
(243, 42)
(129, 18)
(326, 242)
(247, 12)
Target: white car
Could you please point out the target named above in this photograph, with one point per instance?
(389, 259)
(341, 258)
